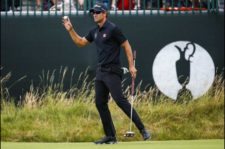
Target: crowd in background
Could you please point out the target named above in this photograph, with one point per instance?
(58, 5)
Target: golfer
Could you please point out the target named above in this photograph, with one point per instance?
(108, 39)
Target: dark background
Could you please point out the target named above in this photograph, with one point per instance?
(32, 44)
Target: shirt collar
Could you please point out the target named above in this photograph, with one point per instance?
(104, 25)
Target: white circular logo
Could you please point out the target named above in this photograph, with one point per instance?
(183, 65)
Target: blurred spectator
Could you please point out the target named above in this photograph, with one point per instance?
(55, 5)
(44, 4)
(188, 5)
(68, 5)
(7, 5)
(127, 4)
(177, 3)
(114, 5)
(213, 4)
(81, 4)
(61, 5)
(153, 4)
(198, 4)
(38, 5)
(105, 2)
(221, 4)
(137, 5)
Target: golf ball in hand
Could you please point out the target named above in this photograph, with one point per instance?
(65, 17)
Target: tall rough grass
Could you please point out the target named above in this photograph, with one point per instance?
(50, 114)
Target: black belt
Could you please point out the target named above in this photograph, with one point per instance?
(112, 69)
(105, 69)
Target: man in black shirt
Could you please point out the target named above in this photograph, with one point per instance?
(108, 39)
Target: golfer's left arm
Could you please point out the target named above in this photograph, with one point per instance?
(128, 51)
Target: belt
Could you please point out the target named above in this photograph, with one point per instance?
(105, 69)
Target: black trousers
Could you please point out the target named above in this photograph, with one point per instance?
(106, 83)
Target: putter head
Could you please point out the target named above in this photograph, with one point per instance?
(129, 134)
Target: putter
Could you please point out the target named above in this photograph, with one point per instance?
(130, 133)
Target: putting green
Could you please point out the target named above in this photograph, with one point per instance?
(174, 144)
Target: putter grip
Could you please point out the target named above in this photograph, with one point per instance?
(134, 54)
(133, 79)
(134, 57)
(132, 87)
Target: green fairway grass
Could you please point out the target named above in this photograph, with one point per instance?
(174, 144)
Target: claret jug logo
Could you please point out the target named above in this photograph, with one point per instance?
(183, 65)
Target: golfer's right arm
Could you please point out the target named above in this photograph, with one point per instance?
(79, 41)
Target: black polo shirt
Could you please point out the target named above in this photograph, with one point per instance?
(108, 40)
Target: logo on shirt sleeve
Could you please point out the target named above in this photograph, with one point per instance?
(104, 35)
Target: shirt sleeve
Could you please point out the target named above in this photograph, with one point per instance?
(89, 36)
(118, 35)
